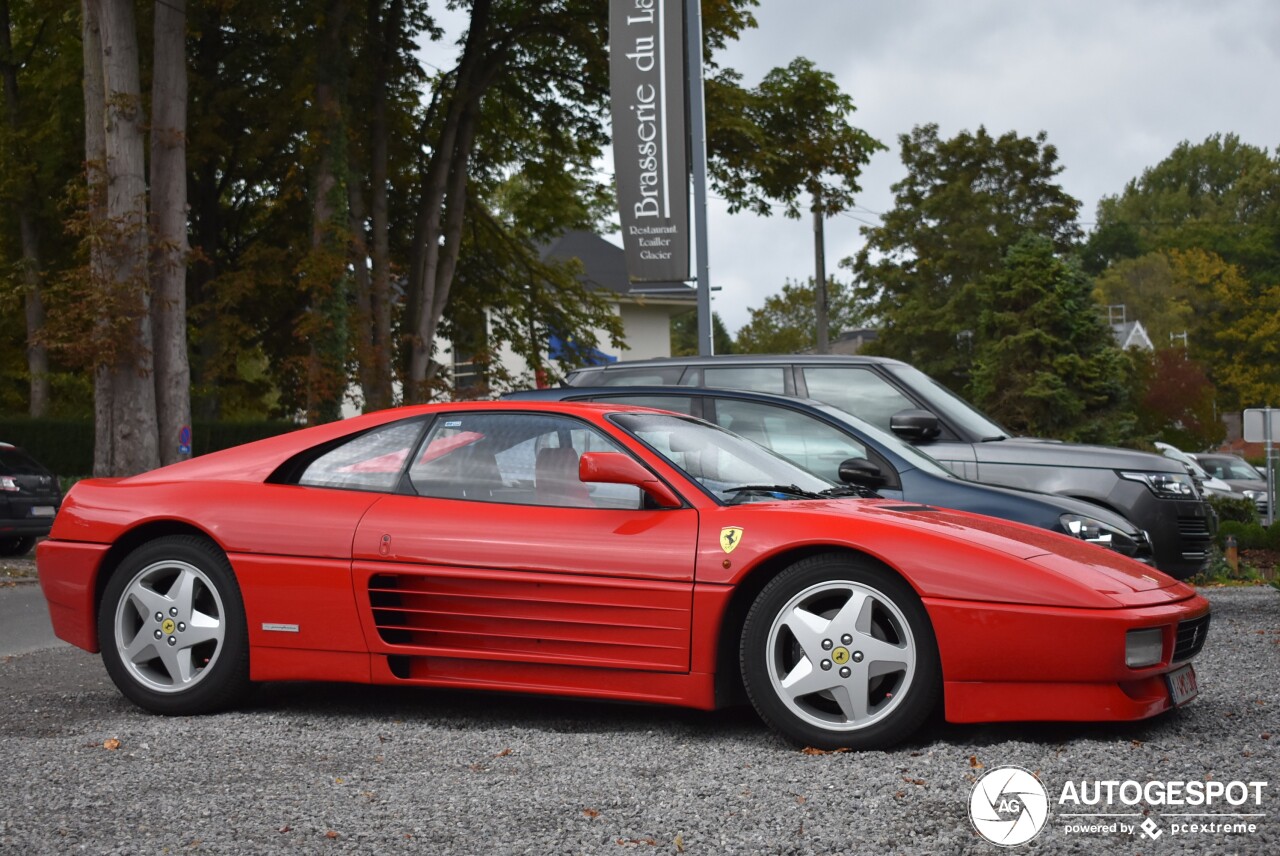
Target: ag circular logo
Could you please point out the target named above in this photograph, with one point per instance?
(1008, 806)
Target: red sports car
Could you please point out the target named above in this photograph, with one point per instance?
(602, 551)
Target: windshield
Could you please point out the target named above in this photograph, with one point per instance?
(948, 406)
(730, 468)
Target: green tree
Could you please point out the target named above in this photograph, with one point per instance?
(792, 143)
(1221, 195)
(684, 335)
(1045, 364)
(963, 204)
(786, 324)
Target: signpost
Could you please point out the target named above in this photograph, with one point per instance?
(1262, 425)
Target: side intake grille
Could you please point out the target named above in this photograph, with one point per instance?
(1191, 636)
(1194, 527)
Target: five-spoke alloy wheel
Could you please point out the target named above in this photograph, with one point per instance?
(172, 630)
(839, 653)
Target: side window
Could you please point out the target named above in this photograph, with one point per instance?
(806, 442)
(858, 391)
(755, 378)
(519, 458)
(644, 376)
(371, 461)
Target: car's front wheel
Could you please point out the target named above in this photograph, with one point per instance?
(838, 652)
(172, 630)
(17, 545)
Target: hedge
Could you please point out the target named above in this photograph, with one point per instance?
(65, 446)
(1250, 536)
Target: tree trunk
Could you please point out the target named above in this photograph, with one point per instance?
(325, 325)
(446, 173)
(169, 230)
(124, 388)
(380, 394)
(27, 204)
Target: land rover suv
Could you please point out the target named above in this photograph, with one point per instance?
(1155, 493)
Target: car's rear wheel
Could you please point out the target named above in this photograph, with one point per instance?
(16, 545)
(838, 652)
(172, 630)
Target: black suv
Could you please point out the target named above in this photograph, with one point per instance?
(29, 500)
(1155, 493)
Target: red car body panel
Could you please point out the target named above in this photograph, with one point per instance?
(364, 586)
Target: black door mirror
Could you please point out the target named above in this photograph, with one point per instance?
(862, 473)
(915, 425)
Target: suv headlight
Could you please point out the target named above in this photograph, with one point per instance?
(1104, 535)
(1166, 485)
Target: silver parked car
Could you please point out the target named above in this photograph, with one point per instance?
(1241, 475)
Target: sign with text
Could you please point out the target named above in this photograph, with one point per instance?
(646, 81)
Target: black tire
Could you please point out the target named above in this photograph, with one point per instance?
(175, 600)
(821, 681)
(16, 545)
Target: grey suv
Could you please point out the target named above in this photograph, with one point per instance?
(1154, 492)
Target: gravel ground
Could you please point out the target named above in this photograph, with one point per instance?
(323, 768)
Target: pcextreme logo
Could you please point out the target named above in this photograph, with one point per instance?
(1009, 806)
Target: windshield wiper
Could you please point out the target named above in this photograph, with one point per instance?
(784, 489)
(866, 493)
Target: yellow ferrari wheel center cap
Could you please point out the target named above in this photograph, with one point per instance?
(167, 626)
(840, 656)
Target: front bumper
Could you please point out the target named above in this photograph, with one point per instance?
(1009, 662)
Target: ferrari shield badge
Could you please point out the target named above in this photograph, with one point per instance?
(729, 538)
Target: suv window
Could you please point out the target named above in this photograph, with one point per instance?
(647, 376)
(756, 378)
(855, 390)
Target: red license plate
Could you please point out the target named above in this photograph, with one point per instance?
(1182, 685)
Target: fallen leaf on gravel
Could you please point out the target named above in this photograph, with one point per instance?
(331, 835)
(111, 744)
(813, 750)
(899, 795)
(285, 828)
(679, 842)
(911, 781)
(590, 812)
(800, 800)
(1135, 743)
(1266, 735)
(974, 762)
(504, 753)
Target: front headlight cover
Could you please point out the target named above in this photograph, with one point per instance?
(1143, 648)
(1096, 532)
(1165, 485)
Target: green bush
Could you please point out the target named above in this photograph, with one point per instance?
(1240, 510)
(1249, 536)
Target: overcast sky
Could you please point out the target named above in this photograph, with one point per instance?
(1115, 84)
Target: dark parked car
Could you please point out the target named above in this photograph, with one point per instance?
(1155, 493)
(29, 500)
(823, 440)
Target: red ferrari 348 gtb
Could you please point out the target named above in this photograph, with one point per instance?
(601, 551)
